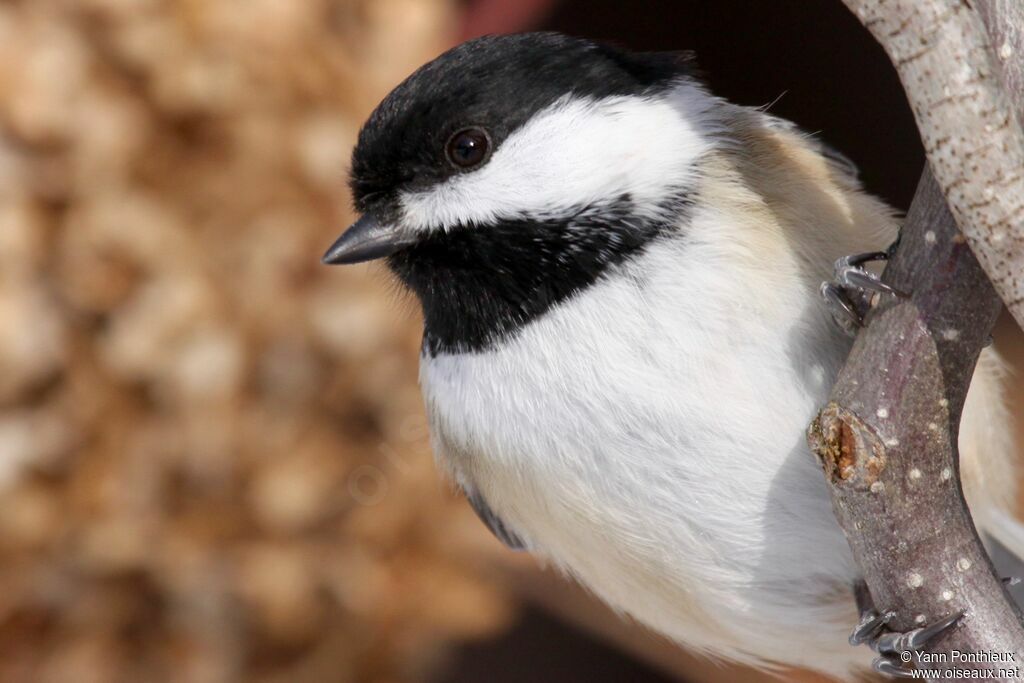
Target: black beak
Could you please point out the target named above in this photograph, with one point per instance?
(368, 239)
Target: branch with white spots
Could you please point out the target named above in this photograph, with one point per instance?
(954, 75)
(888, 438)
(887, 441)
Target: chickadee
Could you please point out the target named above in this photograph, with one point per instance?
(623, 339)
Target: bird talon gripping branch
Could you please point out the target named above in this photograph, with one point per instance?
(893, 647)
(848, 295)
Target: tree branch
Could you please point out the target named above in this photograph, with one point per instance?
(1004, 22)
(972, 137)
(888, 438)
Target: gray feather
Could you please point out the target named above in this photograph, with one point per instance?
(493, 522)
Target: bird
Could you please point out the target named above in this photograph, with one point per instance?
(623, 334)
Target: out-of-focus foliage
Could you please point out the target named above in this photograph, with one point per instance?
(213, 462)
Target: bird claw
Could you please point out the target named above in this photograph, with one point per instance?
(849, 272)
(843, 309)
(889, 668)
(911, 641)
(890, 645)
(870, 625)
(847, 294)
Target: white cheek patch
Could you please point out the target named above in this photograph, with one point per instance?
(577, 153)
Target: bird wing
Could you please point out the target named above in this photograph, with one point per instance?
(839, 160)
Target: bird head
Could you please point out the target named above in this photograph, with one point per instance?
(511, 171)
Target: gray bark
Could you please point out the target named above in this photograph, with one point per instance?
(971, 134)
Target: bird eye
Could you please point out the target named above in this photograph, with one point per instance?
(468, 147)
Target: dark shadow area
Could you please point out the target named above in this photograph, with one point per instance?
(542, 649)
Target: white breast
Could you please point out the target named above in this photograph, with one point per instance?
(648, 437)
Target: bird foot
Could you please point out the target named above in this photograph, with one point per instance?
(848, 295)
(896, 650)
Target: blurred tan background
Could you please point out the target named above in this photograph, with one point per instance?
(213, 460)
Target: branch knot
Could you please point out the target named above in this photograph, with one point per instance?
(850, 451)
